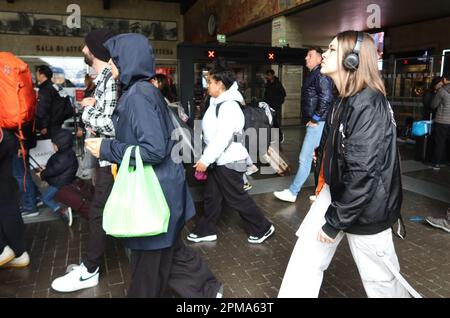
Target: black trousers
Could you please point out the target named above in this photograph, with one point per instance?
(226, 186)
(177, 267)
(441, 143)
(12, 229)
(277, 119)
(97, 237)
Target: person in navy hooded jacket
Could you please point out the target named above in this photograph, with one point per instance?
(141, 118)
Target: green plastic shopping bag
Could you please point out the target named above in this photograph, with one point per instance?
(136, 206)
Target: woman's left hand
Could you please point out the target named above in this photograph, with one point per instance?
(93, 145)
(322, 237)
(200, 166)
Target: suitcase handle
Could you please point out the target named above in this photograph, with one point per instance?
(37, 164)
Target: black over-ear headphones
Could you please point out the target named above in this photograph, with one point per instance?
(351, 61)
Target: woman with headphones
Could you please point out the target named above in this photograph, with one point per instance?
(359, 193)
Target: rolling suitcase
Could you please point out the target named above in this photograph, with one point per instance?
(276, 161)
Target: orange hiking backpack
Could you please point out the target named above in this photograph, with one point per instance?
(17, 96)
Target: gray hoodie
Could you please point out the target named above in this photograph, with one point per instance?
(441, 102)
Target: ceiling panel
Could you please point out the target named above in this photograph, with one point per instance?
(320, 23)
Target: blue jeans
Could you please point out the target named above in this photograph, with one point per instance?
(48, 196)
(311, 142)
(28, 197)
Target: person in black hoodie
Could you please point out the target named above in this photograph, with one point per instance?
(359, 193)
(61, 170)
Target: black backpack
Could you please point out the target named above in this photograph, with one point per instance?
(69, 110)
(256, 118)
(62, 108)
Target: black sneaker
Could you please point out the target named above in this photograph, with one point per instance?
(66, 215)
(259, 240)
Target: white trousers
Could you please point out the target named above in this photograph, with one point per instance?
(311, 258)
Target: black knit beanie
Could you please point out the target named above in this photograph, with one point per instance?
(94, 41)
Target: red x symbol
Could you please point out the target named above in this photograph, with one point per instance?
(211, 54)
(271, 56)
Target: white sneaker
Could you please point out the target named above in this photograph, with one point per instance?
(197, 239)
(78, 278)
(220, 292)
(66, 215)
(251, 170)
(312, 197)
(285, 195)
(19, 262)
(7, 255)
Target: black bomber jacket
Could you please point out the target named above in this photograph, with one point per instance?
(361, 165)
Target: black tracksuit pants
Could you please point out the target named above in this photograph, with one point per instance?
(226, 186)
(277, 118)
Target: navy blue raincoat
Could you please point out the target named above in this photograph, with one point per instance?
(141, 118)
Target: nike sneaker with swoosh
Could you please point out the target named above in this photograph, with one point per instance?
(78, 278)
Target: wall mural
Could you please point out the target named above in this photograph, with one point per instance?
(55, 25)
(231, 15)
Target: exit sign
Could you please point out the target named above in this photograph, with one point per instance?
(221, 38)
(282, 42)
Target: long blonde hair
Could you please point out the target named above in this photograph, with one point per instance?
(367, 73)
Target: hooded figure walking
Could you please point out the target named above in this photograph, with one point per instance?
(142, 119)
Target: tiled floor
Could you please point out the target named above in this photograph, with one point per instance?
(249, 270)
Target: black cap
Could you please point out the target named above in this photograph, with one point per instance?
(94, 41)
